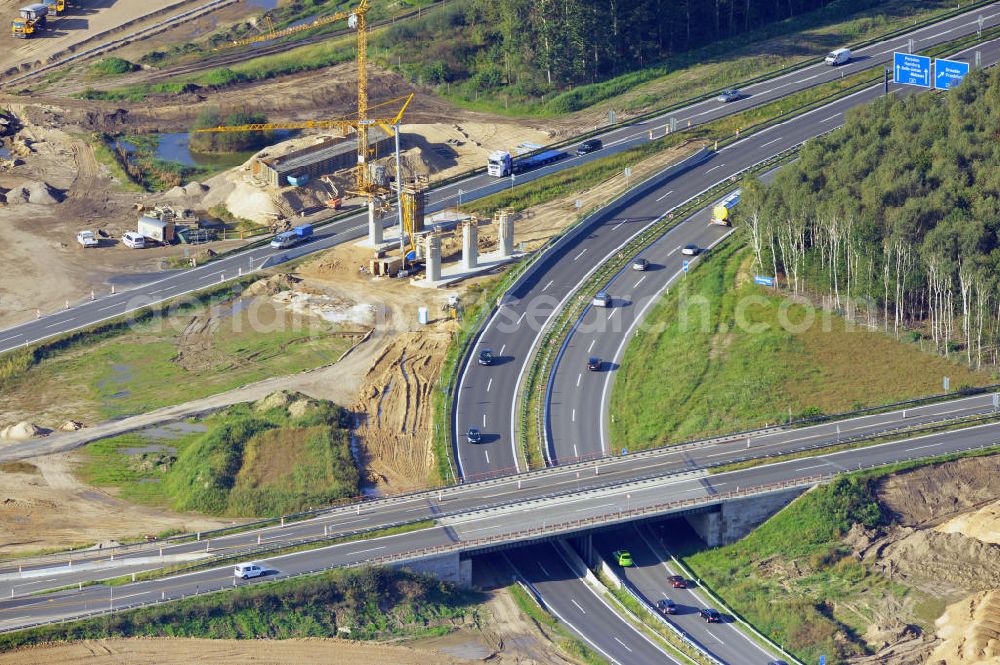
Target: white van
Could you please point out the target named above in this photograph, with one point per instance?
(133, 240)
(247, 570)
(602, 299)
(838, 57)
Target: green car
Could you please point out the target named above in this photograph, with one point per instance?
(623, 558)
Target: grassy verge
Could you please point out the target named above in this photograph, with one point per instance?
(106, 157)
(571, 645)
(169, 354)
(370, 603)
(248, 461)
(750, 357)
(808, 593)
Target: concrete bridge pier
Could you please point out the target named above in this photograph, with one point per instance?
(374, 225)
(730, 521)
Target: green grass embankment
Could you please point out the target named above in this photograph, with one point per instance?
(174, 353)
(796, 580)
(250, 461)
(373, 603)
(720, 354)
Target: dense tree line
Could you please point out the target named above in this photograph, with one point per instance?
(896, 216)
(228, 141)
(530, 48)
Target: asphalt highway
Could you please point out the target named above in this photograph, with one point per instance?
(577, 606)
(177, 283)
(26, 576)
(486, 395)
(648, 577)
(476, 529)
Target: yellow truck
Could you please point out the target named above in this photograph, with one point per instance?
(55, 7)
(30, 21)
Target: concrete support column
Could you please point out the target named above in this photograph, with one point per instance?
(470, 244)
(505, 233)
(374, 225)
(433, 251)
(708, 526)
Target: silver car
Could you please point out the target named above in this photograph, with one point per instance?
(729, 95)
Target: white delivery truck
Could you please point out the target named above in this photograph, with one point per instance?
(839, 57)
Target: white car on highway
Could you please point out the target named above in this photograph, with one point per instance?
(245, 571)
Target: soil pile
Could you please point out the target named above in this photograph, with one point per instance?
(943, 564)
(394, 435)
(21, 432)
(970, 630)
(930, 494)
(39, 193)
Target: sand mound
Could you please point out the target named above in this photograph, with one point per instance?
(949, 564)
(270, 286)
(174, 192)
(21, 431)
(195, 189)
(71, 426)
(38, 193)
(295, 403)
(984, 524)
(970, 629)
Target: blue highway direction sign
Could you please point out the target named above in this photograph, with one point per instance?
(949, 73)
(763, 280)
(911, 69)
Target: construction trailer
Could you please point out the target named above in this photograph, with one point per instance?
(30, 21)
(160, 230)
(328, 156)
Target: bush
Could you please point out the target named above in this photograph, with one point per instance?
(112, 67)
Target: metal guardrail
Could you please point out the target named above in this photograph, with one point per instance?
(529, 534)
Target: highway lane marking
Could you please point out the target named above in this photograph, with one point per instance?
(153, 293)
(543, 569)
(714, 636)
(484, 420)
(489, 384)
(808, 78)
(59, 324)
(117, 304)
(770, 142)
(545, 288)
(370, 549)
(501, 349)
(815, 466)
(940, 34)
(714, 167)
(665, 196)
(7, 339)
(673, 250)
(519, 319)
(573, 416)
(582, 253)
(133, 595)
(579, 377)
(573, 600)
(612, 313)
(591, 347)
(830, 118)
(603, 505)
(487, 455)
(623, 644)
(575, 452)
(615, 228)
(930, 445)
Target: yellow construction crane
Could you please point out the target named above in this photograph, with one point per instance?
(356, 19)
(363, 180)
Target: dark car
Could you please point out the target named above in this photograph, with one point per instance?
(588, 146)
(677, 582)
(710, 615)
(776, 662)
(640, 265)
(594, 364)
(473, 435)
(486, 357)
(666, 606)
